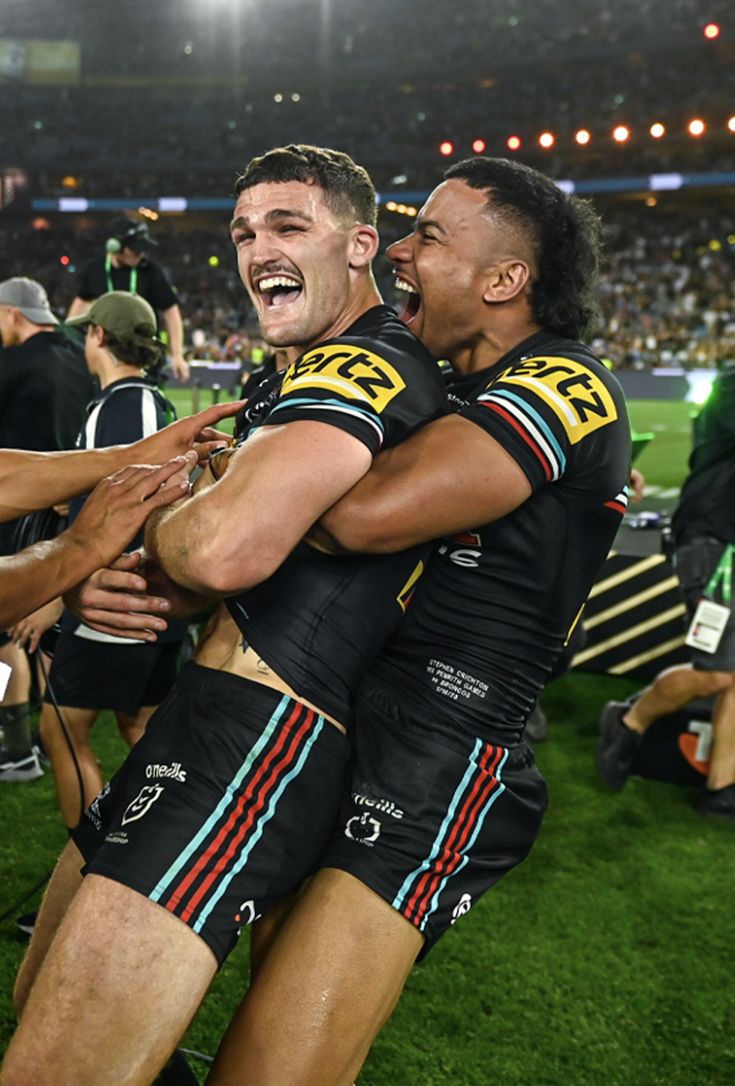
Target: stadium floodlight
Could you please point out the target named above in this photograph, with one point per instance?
(546, 140)
(712, 31)
(479, 146)
(731, 123)
(696, 127)
(513, 143)
(621, 133)
(657, 130)
(446, 148)
(582, 137)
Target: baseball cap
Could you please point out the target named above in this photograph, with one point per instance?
(29, 297)
(132, 235)
(125, 316)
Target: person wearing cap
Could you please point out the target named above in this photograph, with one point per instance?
(44, 389)
(92, 671)
(125, 266)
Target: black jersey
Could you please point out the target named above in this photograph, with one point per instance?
(498, 602)
(320, 620)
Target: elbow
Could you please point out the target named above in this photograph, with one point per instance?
(362, 534)
(225, 574)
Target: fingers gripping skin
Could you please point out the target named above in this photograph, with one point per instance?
(118, 507)
(115, 601)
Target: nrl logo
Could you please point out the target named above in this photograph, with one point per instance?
(142, 803)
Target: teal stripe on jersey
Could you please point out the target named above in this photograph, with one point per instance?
(225, 880)
(465, 855)
(523, 406)
(224, 803)
(350, 409)
(456, 798)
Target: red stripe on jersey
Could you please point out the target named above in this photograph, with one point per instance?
(252, 800)
(524, 434)
(465, 822)
(616, 506)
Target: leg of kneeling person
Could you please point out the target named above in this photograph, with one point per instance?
(120, 984)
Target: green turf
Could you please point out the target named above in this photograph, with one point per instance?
(605, 960)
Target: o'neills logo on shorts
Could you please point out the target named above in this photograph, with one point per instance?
(173, 770)
(386, 806)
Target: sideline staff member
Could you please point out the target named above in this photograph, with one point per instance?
(125, 266)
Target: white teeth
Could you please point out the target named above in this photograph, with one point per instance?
(401, 284)
(277, 281)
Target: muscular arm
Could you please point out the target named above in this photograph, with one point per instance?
(237, 532)
(447, 478)
(37, 480)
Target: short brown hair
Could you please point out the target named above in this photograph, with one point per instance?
(347, 187)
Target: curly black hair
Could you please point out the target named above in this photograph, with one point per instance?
(565, 231)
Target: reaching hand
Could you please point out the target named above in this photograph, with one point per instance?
(115, 601)
(194, 432)
(28, 632)
(119, 506)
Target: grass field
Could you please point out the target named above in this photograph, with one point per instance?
(605, 960)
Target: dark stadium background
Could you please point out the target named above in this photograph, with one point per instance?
(607, 958)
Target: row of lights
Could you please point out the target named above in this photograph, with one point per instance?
(620, 134)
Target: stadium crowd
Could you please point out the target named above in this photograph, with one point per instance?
(667, 293)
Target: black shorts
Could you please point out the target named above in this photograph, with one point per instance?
(695, 561)
(427, 825)
(222, 807)
(89, 674)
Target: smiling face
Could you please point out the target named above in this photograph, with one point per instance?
(445, 266)
(293, 254)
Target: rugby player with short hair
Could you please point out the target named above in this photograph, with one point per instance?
(225, 803)
(526, 483)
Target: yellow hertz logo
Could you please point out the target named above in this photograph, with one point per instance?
(346, 371)
(576, 395)
(404, 596)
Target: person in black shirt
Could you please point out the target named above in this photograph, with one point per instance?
(125, 266)
(44, 389)
(525, 484)
(703, 529)
(223, 805)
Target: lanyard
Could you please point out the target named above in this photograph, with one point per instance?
(722, 573)
(133, 283)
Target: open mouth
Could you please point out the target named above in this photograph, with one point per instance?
(411, 300)
(279, 290)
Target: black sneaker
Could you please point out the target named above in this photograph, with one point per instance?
(27, 922)
(719, 803)
(617, 747)
(23, 767)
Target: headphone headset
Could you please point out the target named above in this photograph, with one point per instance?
(112, 245)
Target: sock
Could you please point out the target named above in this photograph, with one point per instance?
(16, 724)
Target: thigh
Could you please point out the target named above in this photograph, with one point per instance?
(118, 988)
(64, 883)
(327, 986)
(222, 807)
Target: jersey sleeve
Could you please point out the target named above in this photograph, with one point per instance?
(547, 413)
(355, 387)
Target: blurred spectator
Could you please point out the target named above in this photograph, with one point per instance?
(125, 266)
